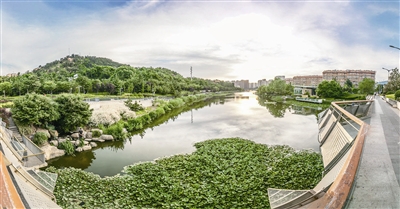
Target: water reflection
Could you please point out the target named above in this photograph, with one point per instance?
(176, 132)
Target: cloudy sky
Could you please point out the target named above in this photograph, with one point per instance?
(219, 39)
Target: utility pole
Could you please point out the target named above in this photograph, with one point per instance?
(388, 72)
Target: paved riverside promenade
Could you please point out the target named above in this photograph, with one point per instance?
(378, 178)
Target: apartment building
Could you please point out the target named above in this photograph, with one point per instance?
(307, 80)
(355, 76)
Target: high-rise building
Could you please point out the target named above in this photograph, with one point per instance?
(282, 77)
(307, 80)
(355, 76)
(244, 84)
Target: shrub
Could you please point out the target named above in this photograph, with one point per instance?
(397, 95)
(68, 147)
(117, 131)
(39, 138)
(133, 106)
(96, 133)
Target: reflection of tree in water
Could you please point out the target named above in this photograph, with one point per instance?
(80, 160)
(277, 109)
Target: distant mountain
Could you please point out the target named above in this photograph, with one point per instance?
(73, 63)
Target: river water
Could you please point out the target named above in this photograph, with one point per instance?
(272, 124)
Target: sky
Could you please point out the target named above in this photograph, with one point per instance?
(227, 40)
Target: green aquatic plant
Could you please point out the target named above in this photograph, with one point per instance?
(221, 173)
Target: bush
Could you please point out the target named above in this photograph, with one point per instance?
(39, 138)
(133, 106)
(96, 133)
(397, 95)
(117, 131)
(68, 147)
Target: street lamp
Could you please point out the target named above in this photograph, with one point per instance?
(394, 47)
(388, 72)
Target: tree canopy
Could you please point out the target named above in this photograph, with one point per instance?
(277, 87)
(366, 86)
(394, 81)
(329, 89)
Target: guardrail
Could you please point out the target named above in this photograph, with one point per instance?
(319, 101)
(36, 157)
(338, 193)
(341, 137)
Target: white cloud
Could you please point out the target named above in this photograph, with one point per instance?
(220, 40)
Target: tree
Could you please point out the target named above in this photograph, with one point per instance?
(74, 112)
(394, 81)
(5, 87)
(329, 89)
(276, 87)
(49, 86)
(348, 86)
(366, 86)
(35, 109)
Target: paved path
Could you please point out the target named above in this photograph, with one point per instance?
(378, 177)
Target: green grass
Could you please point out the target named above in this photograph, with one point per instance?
(390, 96)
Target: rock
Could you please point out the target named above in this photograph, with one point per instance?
(77, 143)
(53, 133)
(86, 147)
(54, 143)
(93, 144)
(107, 137)
(88, 140)
(45, 131)
(98, 140)
(61, 140)
(88, 135)
(51, 152)
(75, 135)
(85, 142)
(124, 130)
(79, 149)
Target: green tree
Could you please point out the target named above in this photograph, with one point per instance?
(348, 86)
(329, 89)
(275, 88)
(366, 86)
(74, 112)
(35, 109)
(49, 86)
(394, 81)
(5, 88)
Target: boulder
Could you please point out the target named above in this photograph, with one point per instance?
(107, 137)
(93, 144)
(98, 140)
(88, 140)
(53, 133)
(75, 135)
(77, 143)
(54, 143)
(85, 142)
(79, 149)
(51, 152)
(61, 140)
(45, 131)
(88, 135)
(86, 147)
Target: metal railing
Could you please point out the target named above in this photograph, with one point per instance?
(343, 167)
(341, 137)
(36, 156)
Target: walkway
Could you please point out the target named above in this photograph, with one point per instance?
(378, 177)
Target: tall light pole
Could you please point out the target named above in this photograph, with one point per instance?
(388, 72)
(394, 47)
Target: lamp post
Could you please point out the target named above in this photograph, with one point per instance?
(388, 72)
(394, 47)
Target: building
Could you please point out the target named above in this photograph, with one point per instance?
(244, 84)
(282, 77)
(355, 76)
(262, 82)
(307, 80)
(253, 85)
(289, 81)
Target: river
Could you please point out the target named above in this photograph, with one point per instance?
(272, 124)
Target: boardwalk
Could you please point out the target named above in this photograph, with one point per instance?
(377, 180)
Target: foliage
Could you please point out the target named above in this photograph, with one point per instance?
(394, 81)
(39, 138)
(35, 109)
(117, 131)
(329, 89)
(221, 173)
(68, 147)
(7, 105)
(96, 133)
(134, 106)
(74, 112)
(276, 87)
(366, 86)
(397, 95)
